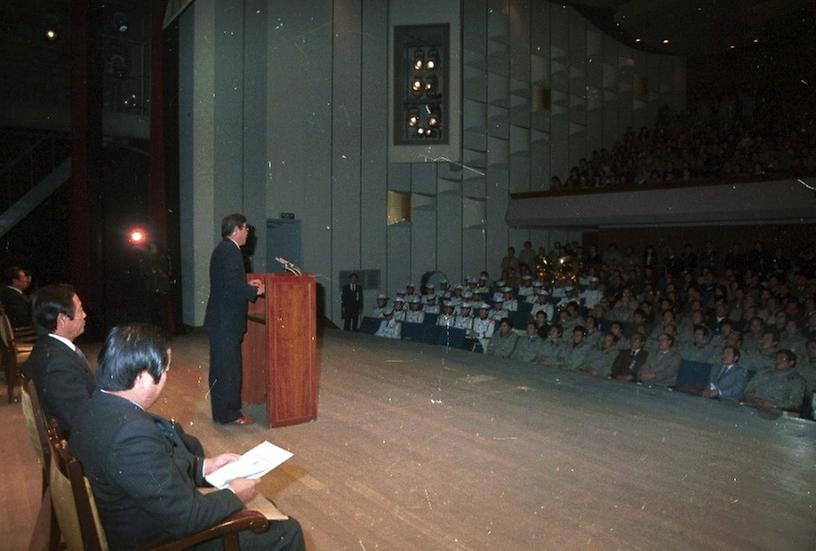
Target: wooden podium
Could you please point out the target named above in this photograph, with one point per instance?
(280, 349)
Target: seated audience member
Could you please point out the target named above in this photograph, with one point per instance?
(389, 327)
(431, 307)
(727, 380)
(781, 388)
(752, 339)
(58, 368)
(381, 308)
(624, 308)
(526, 287)
(483, 327)
(510, 303)
(464, 320)
(792, 339)
(143, 478)
(410, 291)
(616, 328)
(542, 304)
(575, 352)
(763, 358)
(13, 298)
(399, 311)
(552, 349)
(540, 319)
(662, 366)
(446, 318)
(628, 362)
(594, 333)
(528, 346)
(599, 359)
(414, 313)
(504, 340)
(700, 349)
(499, 311)
(591, 296)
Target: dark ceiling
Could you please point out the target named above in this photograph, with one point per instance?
(705, 27)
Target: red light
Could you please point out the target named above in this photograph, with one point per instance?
(137, 236)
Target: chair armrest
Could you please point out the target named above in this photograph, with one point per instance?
(233, 524)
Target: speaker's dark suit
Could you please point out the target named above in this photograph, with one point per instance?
(17, 307)
(62, 377)
(351, 306)
(225, 321)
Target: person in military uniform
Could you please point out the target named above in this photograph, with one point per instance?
(389, 327)
(700, 348)
(446, 318)
(552, 353)
(510, 303)
(382, 307)
(464, 320)
(782, 388)
(576, 352)
(662, 366)
(598, 361)
(431, 307)
(764, 357)
(499, 313)
(504, 340)
(414, 313)
(528, 347)
(399, 308)
(483, 327)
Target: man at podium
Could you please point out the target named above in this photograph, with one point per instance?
(225, 320)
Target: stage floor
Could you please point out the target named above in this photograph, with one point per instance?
(416, 447)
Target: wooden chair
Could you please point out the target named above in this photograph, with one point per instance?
(36, 426)
(45, 535)
(12, 354)
(78, 517)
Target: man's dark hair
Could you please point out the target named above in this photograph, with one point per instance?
(230, 222)
(670, 337)
(735, 350)
(11, 273)
(507, 321)
(129, 350)
(700, 327)
(49, 302)
(790, 355)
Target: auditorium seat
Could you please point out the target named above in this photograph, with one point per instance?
(413, 331)
(693, 376)
(369, 325)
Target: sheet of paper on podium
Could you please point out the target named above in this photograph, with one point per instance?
(253, 464)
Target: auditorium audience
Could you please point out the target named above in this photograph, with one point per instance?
(733, 309)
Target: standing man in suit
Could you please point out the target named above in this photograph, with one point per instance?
(143, 479)
(15, 302)
(57, 366)
(225, 320)
(351, 303)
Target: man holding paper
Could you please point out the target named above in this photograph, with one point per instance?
(143, 478)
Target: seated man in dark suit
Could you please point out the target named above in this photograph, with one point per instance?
(15, 302)
(58, 368)
(143, 478)
(628, 363)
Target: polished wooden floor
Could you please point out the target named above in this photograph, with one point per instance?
(418, 448)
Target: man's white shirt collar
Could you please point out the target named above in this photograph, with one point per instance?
(67, 343)
(15, 288)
